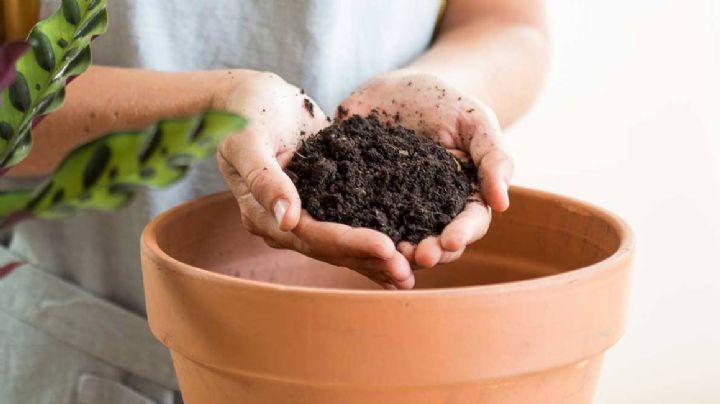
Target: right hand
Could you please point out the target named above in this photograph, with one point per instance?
(463, 124)
(252, 163)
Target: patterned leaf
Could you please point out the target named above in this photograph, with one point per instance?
(103, 173)
(60, 50)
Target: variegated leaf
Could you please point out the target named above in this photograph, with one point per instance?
(60, 49)
(103, 173)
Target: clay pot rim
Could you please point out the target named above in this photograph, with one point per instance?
(624, 253)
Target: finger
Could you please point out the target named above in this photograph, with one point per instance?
(385, 272)
(450, 256)
(496, 169)
(339, 239)
(253, 159)
(467, 227)
(395, 271)
(407, 249)
(459, 154)
(367, 251)
(428, 252)
(260, 223)
(398, 270)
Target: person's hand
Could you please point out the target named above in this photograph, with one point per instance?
(459, 122)
(252, 162)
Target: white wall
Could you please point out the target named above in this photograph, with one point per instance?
(630, 120)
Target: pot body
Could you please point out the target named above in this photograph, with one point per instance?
(523, 317)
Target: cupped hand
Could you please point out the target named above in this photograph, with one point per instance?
(461, 123)
(280, 116)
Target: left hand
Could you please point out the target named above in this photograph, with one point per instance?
(459, 122)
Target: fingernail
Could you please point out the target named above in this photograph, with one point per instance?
(505, 196)
(279, 209)
(504, 186)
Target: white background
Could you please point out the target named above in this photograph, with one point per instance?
(630, 120)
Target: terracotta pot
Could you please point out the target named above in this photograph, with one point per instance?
(523, 317)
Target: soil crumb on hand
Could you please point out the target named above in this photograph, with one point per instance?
(309, 107)
(342, 113)
(363, 173)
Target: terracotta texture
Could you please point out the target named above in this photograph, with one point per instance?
(523, 317)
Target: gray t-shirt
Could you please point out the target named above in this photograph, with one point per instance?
(327, 47)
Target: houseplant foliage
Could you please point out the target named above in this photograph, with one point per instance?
(60, 50)
(102, 173)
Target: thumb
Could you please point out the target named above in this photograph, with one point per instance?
(495, 167)
(251, 157)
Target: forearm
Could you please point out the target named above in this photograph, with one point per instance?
(105, 99)
(500, 57)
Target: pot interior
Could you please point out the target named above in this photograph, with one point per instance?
(540, 235)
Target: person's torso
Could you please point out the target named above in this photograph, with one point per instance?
(327, 47)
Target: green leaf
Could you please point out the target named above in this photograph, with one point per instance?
(60, 49)
(103, 173)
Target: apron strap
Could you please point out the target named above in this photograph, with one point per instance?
(84, 321)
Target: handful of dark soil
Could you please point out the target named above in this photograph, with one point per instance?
(365, 174)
